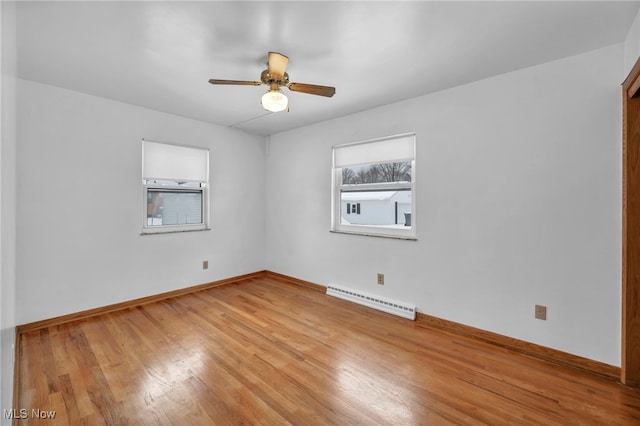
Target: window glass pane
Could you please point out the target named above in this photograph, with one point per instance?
(389, 209)
(377, 173)
(173, 207)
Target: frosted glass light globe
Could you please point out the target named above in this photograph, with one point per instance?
(274, 101)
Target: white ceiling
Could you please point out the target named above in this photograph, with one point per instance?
(160, 55)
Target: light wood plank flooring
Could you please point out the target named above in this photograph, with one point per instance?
(271, 353)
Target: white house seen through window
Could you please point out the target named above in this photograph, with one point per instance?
(374, 186)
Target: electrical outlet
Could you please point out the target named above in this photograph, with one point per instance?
(381, 279)
(205, 264)
(541, 312)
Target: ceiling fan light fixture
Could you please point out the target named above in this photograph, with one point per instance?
(276, 77)
(274, 100)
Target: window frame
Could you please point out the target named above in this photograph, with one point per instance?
(173, 185)
(337, 188)
(160, 229)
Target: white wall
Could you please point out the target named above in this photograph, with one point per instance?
(79, 204)
(518, 203)
(7, 202)
(632, 46)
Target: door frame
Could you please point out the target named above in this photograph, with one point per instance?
(630, 361)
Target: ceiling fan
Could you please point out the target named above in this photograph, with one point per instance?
(275, 77)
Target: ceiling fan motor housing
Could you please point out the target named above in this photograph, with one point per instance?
(269, 79)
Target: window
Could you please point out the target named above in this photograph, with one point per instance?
(175, 182)
(374, 187)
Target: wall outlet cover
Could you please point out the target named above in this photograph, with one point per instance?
(541, 312)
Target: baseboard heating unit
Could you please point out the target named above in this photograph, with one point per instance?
(401, 309)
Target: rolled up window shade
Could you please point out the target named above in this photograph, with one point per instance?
(388, 150)
(162, 161)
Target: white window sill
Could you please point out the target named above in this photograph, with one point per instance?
(172, 231)
(373, 234)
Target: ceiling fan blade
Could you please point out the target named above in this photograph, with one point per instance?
(277, 63)
(312, 89)
(238, 82)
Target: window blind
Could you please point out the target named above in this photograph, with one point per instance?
(388, 150)
(162, 161)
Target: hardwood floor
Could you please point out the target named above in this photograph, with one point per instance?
(268, 352)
